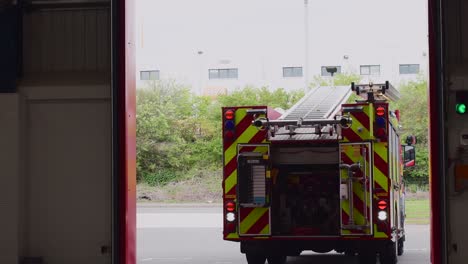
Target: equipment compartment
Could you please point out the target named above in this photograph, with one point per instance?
(305, 196)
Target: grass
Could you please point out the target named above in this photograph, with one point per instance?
(199, 187)
(417, 211)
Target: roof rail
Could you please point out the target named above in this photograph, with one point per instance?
(371, 92)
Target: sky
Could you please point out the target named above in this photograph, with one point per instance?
(270, 32)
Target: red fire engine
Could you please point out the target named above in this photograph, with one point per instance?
(326, 175)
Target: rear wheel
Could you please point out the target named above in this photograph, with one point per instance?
(389, 254)
(276, 259)
(401, 247)
(255, 259)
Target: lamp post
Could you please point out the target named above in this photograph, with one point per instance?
(306, 45)
(200, 77)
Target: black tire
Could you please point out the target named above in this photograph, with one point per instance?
(276, 259)
(367, 258)
(389, 254)
(401, 247)
(255, 259)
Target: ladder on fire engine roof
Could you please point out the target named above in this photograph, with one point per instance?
(376, 92)
(322, 102)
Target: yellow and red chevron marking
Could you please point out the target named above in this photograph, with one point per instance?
(362, 125)
(245, 133)
(254, 221)
(381, 180)
(381, 184)
(351, 154)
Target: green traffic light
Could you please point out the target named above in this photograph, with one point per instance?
(461, 108)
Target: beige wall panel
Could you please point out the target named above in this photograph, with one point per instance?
(69, 182)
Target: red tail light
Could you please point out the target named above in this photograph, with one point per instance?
(229, 135)
(230, 206)
(381, 132)
(380, 111)
(229, 114)
(382, 205)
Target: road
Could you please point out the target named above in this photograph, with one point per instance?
(176, 235)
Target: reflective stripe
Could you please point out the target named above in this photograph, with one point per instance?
(359, 131)
(378, 234)
(266, 230)
(381, 177)
(230, 182)
(358, 217)
(232, 235)
(365, 133)
(351, 153)
(251, 219)
(231, 152)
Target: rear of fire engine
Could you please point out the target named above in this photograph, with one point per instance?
(325, 176)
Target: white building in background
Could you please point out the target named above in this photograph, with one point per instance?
(218, 45)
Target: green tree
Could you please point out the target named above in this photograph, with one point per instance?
(179, 134)
(173, 132)
(413, 106)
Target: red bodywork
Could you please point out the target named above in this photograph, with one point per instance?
(434, 144)
(127, 132)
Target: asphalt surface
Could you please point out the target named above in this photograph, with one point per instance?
(175, 234)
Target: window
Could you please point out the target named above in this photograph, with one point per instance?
(370, 69)
(149, 75)
(325, 73)
(292, 71)
(409, 68)
(223, 73)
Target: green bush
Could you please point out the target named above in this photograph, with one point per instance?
(179, 134)
(413, 107)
